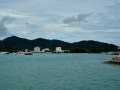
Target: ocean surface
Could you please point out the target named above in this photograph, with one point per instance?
(58, 72)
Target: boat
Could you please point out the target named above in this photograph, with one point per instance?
(25, 53)
(4, 52)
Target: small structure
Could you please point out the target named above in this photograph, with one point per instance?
(25, 53)
(36, 49)
(26, 50)
(66, 51)
(113, 53)
(58, 50)
(118, 47)
(46, 50)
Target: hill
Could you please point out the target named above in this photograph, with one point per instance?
(93, 46)
(15, 43)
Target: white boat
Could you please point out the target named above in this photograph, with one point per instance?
(4, 52)
(25, 53)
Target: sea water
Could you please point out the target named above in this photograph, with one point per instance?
(58, 72)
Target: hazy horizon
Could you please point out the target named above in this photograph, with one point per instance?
(66, 20)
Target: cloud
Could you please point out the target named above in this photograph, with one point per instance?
(6, 19)
(3, 28)
(71, 20)
(78, 18)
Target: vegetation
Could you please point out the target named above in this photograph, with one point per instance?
(14, 44)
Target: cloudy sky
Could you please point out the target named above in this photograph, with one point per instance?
(67, 20)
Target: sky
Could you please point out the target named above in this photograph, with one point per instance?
(67, 20)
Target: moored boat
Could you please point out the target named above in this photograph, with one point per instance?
(25, 53)
(4, 52)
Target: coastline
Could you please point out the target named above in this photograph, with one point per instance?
(115, 60)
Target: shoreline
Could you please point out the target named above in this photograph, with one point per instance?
(115, 60)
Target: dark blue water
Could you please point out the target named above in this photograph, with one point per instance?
(58, 72)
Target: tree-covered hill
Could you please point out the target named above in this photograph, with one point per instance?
(14, 44)
(93, 46)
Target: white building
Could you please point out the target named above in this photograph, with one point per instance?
(26, 50)
(46, 50)
(36, 49)
(58, 50)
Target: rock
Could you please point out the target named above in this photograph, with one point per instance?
(115, 60)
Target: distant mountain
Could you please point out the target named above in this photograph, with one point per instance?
(92, 44)
(15, 43)
(45, 43)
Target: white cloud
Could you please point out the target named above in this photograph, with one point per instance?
(44, 18)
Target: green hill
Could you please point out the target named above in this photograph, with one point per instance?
(14, 44)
